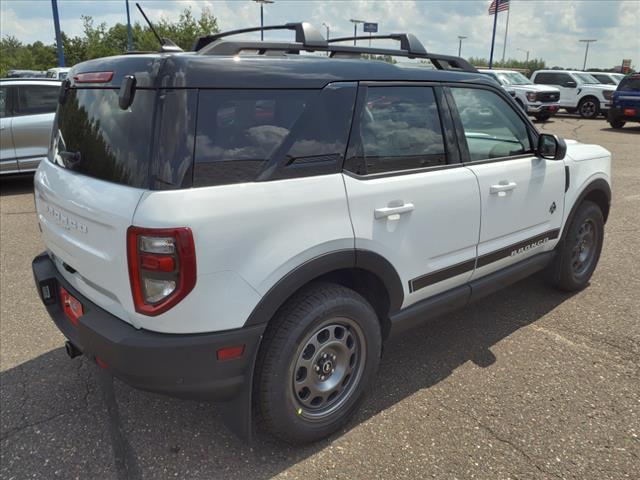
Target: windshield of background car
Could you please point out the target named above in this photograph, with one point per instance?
(514, 78)
(586, 78)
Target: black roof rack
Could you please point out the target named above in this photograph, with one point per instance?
(310, 39)
(306, 34)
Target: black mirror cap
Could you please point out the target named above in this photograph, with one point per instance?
(551, 147)
(127, 92)
(571, 84)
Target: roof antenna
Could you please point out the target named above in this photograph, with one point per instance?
(166, 45)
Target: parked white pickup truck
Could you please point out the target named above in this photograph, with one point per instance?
(579, 91)
(539, 101)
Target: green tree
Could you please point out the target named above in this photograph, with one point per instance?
(531, 66)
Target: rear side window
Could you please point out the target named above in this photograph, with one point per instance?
(492, 128)
(35, 99)
(553, 78)
(399, 129)
(240, 133)
(604, 79)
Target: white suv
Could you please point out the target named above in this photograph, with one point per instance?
(539, 101)
(252, 228)
(579, 91)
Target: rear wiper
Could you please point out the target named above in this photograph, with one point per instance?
(166, 45)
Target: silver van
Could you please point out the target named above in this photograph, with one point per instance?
(27, 108)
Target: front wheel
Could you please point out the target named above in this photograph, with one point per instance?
(589, 107)
(578, 253)
(318, 358)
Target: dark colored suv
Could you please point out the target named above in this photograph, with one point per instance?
(625, 106)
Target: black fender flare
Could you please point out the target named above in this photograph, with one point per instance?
(598, 184)
(322, 265)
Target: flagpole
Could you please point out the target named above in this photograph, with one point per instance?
(506, 30)
(493, 37)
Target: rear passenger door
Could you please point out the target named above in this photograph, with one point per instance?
(410, 199)
(522, 195)
(560, 80)
(32, 123)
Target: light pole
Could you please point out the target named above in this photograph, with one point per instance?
(262, 2)
(56, 26)
(460, 38)
(129, 35)
(355, 28)
(524, 51)
(586, 51)
(328, 27)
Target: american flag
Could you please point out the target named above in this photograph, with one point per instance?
(502, 6)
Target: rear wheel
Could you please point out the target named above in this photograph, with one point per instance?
(317, 359)
(616, 123)
(542, 117)
(578, 253)
(589, 107)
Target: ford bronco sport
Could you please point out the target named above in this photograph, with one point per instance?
(249, 222)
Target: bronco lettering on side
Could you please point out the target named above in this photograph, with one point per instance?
(530, 246)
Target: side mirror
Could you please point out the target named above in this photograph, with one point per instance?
(570, 84)
(551, 147)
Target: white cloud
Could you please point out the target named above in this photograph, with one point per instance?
(549, 29)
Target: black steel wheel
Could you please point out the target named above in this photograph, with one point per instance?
(318, 357)
(578, 252)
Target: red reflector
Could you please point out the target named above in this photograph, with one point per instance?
(93, 77)
(157, 263)
(230, 353)
(71, 306)
(101, 363)
(629, 112)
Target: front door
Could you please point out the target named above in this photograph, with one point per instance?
(408, 201)
(8, 162)
(522, 195)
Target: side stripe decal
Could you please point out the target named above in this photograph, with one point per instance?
(482, 261)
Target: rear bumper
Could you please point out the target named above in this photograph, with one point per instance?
(178, 365)
(618, 113)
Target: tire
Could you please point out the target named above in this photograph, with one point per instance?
(589, 107)
(616, 124)
(542, 117)
(324, 343)
(578, 253)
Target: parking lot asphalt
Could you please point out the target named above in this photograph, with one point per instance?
(528, 383)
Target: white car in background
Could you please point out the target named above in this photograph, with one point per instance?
(58, 73)
(539, 101)
(607, 78)
(579, 91)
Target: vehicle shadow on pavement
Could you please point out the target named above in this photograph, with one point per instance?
(71, 417)
(16, 184)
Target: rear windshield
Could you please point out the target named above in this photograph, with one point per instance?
(629, 84)
(94, 136)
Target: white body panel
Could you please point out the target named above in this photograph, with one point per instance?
(523, 212)
(441, 230)
(520, 91)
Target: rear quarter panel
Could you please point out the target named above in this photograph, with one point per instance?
(247, 237)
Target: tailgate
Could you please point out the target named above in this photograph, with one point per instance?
(84, 224)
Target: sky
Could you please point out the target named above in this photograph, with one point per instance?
(548, 29)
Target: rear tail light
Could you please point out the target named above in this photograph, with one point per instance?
(532, 96)
(629, 112)
(162, 267)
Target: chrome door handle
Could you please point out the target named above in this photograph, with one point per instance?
(503, 186)
(389, 211)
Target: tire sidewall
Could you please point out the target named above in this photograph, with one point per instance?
(286, 421)
(588, 210)
(595, 103)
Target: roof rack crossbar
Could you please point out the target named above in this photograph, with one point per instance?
(306, 34)
(408, 41)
